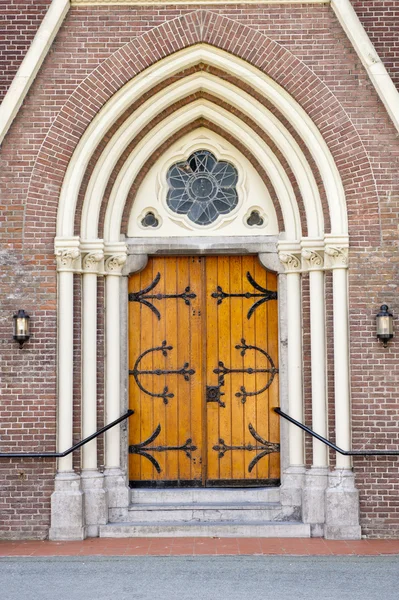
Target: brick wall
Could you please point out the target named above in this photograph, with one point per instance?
(19, 21)
(380, 18)
(35, 155)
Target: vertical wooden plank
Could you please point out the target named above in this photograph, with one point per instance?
(134, 391)
(183, 355)
(212, 355)
(196, 386)
(169, 312)
(160, 362)
(250, 379)
(272, 336)
(236, 362)
(260, 317)
(146, 401)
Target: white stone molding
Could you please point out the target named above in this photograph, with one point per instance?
(337, 257)
(114, 264)
(313, 509)
(365, 50)
(291, 261)
(290, 257)
(237, 98)
(91, 261)
(175, 123)
(116, 255)
(67, 254)
(66, 259)
(201, 53)
(31, 63)
(312, 260)
(93, 255)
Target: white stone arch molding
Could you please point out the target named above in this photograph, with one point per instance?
(165, 130)
(236, 98)
(220, 59)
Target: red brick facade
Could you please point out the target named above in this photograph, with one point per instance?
(97, 50)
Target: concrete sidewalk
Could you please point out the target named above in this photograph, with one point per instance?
(200, 546)
(200, 578)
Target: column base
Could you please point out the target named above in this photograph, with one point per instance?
(293, 479)
(313, 499)
(342, 507)
(67, 509)
(118, 495)
(95, 501)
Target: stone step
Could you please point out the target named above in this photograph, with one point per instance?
(208, 512)
(267, 529)
(204, 495)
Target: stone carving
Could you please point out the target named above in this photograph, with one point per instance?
(291, 262)
(91, 260)
(114, 264)
(337, 256)
(313, 259)
(65, 258)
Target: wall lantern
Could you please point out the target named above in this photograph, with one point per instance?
(21, 327)
(384, 321)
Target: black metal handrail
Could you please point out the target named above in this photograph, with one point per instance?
(333, 446)
(72, 448)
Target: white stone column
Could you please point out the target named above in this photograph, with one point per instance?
(66, 501)
(293, 476)
(115, 479)
(95, 497)
(342, 497)
(317, 477)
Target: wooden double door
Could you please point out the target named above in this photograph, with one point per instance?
(203, 373)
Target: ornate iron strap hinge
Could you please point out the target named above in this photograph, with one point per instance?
(143, 448)
(265, 448)
(265, 295)
(165, 394)
(143, 296)
(222, 370)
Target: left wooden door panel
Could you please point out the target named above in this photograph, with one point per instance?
(166, 364)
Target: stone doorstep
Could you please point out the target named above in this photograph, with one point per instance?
(261, 529)
(204, 495)
(209, 512)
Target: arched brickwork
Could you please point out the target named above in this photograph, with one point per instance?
(196, 27)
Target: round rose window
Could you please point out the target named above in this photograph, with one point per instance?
(202, 188)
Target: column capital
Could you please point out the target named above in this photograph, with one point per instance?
(289, 254)
(91, 260)
(312, 259)
(337, 257)
(291, 261)
(114, 264)
(312, 254)
(67, 254)
(115, 258)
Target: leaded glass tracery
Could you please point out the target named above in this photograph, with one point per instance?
(202, 187)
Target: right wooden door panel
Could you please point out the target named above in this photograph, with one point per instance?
(242, 351)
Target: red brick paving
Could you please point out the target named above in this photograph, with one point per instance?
(199, 546)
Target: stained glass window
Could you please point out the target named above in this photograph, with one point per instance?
(202, 187)
(150, 220)
(254, 219)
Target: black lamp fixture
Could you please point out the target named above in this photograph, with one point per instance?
(384, 321)
(21, 327)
